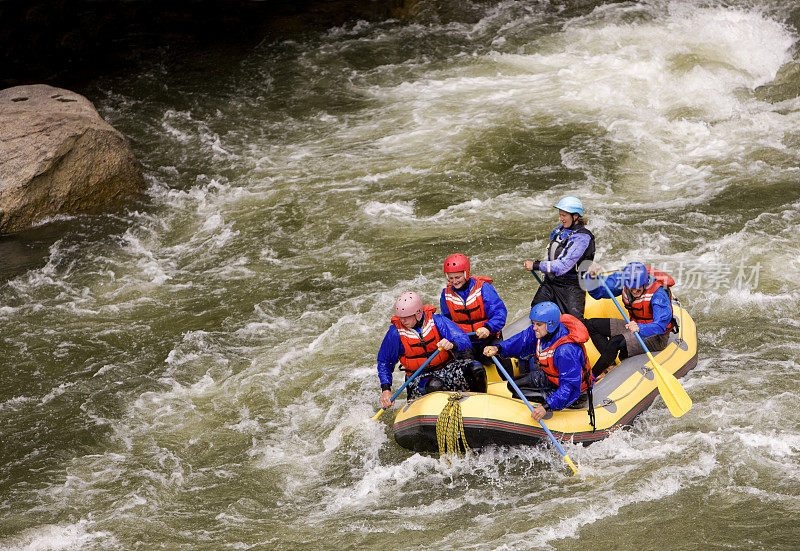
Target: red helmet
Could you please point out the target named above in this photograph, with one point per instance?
(457, 263)
(408, 304)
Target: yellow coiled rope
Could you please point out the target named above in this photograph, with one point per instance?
(450, 427)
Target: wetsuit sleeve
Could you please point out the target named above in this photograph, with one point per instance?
(662, 315)
(578, 242)
(495, 308)
(388, 356)
(520, 345)
(569, 360)
(614, 282)
(452, 332)
(443, 308)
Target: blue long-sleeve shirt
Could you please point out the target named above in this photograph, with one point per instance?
(392, 347)
(568, 359)
(569, 257)
(660, 303)
(493, 305)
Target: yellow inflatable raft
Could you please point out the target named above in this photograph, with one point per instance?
(495, 418)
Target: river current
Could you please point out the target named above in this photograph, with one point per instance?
(198, 371)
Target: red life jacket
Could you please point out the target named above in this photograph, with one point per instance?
(640, 309)
(468, 314)
(578, 334)
(415, 349)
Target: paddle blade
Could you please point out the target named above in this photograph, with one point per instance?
(676, 398)
(380, 412)
(571, 464)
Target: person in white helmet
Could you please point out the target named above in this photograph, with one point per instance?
(415, 334)
(571, 246)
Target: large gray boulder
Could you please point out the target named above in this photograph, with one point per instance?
(58, 156)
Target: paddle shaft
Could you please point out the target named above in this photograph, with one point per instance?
(530, 407)
(405, 384)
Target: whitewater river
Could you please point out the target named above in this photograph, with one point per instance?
(198, 372)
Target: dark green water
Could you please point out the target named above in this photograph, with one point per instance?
(199, 371)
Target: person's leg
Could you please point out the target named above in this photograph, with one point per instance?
(600, 333)
(655, 343)
(608, 352)
(534, 385)
(414, 389)
(544, 294)
(454, 375)
(477, 376)
(573, 300)
(598, 326)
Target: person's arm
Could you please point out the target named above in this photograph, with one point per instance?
(388, 355)
(568, 359)
(495, 308)
(443, 308)
(572, 253)
(662, 315)
(613, 281)
(520, 345)
(452, 332)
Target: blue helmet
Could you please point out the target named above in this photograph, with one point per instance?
(635, 275)
(547, 312)
(570, 204)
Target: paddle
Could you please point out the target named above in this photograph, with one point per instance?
(678, 402)
(537, 278)
(405, 384)
(530, 407)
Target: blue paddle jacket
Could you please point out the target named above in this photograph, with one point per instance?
(660, 303)
(493, 305)
(392, 347)
(568, 359)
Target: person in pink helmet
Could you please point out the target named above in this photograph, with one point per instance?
(415, 333)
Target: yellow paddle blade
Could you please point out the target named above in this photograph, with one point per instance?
(571, 464)
(380, 412)
(678, 402)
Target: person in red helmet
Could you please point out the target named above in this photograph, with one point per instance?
(415, 333)
(474, 305)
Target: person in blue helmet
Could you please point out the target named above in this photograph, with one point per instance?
(571, 244)
(561, 372)
(646, 296)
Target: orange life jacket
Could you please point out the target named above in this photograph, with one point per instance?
(416, 348)
(640, 309)
(469, 314)
(578, 335)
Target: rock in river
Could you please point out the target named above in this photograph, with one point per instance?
(59, 157)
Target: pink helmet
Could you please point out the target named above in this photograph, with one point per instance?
(457, 263)
(408, 304)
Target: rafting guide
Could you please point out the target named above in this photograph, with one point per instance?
(571, 244)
